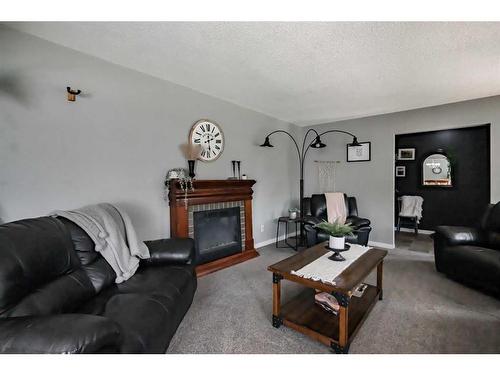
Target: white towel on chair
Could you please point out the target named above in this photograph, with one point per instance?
(411, 206)
(335, 207)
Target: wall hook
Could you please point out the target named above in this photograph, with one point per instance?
(72, 94)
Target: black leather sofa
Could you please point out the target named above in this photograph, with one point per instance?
(471, 255)
(57, 295)
(315, 212)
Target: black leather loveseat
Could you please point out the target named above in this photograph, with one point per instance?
(315, 212)
(57, 295)
(471, 255)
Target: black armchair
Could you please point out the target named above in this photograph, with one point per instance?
(471, 255)
(315, 212)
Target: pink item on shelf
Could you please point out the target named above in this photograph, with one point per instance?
(327, 301)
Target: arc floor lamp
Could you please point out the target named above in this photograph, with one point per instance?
(301, 153)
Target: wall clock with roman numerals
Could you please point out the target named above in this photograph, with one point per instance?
(209, 136)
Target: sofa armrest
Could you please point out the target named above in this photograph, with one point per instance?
(312, 220)
(357, 222)
(455, 236)
(57, 334)
(170, 251)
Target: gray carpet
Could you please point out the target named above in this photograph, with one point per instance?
(422, 312)
(409, 241)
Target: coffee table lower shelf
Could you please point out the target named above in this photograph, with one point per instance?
(303, 315)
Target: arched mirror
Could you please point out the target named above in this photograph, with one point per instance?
(436, 171)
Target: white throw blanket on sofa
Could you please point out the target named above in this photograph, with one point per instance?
(113, 234)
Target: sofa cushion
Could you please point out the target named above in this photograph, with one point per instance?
(148, 307)
(98, 270)
(147, 323)
(166, 280)
(318, 206)
(494, 240)
(492, 220)
(62, 295)
(491, 225)
(475, 264)
(40, 273)
(174, 282)
(56, 334)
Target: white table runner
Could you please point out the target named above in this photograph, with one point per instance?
(326, 270)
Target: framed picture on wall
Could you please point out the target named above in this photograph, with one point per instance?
(359, 153)
(406, 153)
(400, 171)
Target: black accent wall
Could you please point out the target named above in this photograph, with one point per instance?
(464, 203)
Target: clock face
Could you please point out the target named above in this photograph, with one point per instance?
(209, 136)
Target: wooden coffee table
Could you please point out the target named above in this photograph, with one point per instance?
(303, 315)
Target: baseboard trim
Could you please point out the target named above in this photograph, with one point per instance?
(273, 240)
(382, 245)
(409, 230)
(219, 264)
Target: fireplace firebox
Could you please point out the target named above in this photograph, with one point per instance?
(217, 233)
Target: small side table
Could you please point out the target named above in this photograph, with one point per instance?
(286, 220)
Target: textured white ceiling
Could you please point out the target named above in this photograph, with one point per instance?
(304, 73)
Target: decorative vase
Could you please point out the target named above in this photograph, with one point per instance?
(337, 242)
(191, 168)
(292, 215)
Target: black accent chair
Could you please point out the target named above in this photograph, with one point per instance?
(315, 212)
(471, 255)
(58, 295)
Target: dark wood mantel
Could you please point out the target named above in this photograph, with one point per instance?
(212, 191)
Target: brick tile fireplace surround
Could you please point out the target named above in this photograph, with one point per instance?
(214, 197)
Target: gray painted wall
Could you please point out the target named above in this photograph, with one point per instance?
(117, 141)
(373, 182)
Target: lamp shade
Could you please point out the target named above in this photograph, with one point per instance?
(266, 143)
(317, 143)
(355, 142)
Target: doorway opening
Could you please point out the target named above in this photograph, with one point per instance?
(446, 172)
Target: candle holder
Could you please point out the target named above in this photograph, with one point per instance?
(191, 164)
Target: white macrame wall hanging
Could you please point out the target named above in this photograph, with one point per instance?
(326, 175)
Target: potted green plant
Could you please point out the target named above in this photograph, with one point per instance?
(337, 232)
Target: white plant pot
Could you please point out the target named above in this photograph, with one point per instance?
(337, 243)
